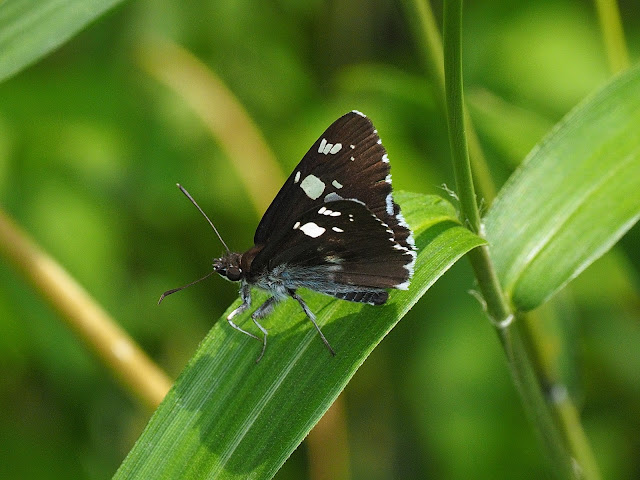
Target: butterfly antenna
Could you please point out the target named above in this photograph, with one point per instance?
(174, 290)
(183, 190)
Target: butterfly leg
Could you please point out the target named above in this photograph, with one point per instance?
(245, 295)
(312, 317)
(263, 310)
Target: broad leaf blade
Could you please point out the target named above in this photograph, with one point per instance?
(227, 417)
(31, 29)
(575, 195)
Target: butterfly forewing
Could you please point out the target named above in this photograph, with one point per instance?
(347, 161)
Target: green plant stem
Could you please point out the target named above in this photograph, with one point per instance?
(429, 43)
(613, 35)
(564, 410)
(455, 117)
(556, 427)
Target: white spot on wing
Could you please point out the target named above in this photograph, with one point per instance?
(352, 146)
(312, 230)
(402, 222)
(336, 184)
(297, 177)
(352, 159)
(409, 266)
(388, 179)
(326, 211)
(411, 251)
(323, 144)
(335, 149)
(312, 186)
(389, 201)
(297, 224)
(332, 197)
(357, 112)
(337, 229)
(327, 148)
(385, 158)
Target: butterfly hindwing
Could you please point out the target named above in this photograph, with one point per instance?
(348, 161)
(337, 248)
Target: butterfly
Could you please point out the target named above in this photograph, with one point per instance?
(333, 227)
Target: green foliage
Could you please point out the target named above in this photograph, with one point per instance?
(30, 30)
(572, 198)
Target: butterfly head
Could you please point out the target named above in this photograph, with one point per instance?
(228, 266)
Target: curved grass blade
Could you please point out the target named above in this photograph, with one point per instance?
(228, 417)
(574, 196)
(29, 30)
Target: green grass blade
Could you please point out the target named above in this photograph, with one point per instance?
(30, 29)
(575, 195)
(228, 417)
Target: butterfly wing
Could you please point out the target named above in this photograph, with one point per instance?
(340, 248)
(348, 161)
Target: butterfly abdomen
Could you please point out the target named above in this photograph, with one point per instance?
(372, 297)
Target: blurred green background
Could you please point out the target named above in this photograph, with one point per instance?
(91, 146)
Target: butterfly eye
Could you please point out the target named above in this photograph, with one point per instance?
(234, 274)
